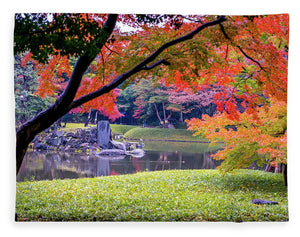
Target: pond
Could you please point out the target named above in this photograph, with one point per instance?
(158, 156)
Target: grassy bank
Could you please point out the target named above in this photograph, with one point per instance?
(121, 129)
(136, 132)
(162, 134)
(178, 195)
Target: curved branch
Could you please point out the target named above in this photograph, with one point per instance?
(115, 83)
(240, 48)
(143, 65)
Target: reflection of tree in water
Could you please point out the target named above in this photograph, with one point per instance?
(137, 164)
(162, 161)
(208, 161)
(72, 165)
(102, 167)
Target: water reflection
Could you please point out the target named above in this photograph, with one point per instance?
(40, 166)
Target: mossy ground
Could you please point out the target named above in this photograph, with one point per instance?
(177, 195)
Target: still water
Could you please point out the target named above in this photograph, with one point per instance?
(47, 165)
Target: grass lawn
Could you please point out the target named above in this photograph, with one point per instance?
(121, 129)
(162, 134)
(177, 195)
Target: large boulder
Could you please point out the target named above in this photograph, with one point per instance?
(103, 134)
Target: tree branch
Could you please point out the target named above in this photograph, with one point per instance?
(240, 48)
(162, 61)
(27, 131)
(143, 65)
(81, 66)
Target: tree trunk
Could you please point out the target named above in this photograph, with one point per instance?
(164, 111)
(96, 116)
(89, 118)
(181, 114)
(157, 113)
(26, 132)
(169, 116)
(280, 168)
(285, 174)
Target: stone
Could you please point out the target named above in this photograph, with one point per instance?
(118, 145)
(137, 153)
(259, 202)
(40, 146)
(103, 134)
(111, 152)
(71, 134)
(59, 133)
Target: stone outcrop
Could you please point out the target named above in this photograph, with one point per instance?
(89, 140)
(69, 141)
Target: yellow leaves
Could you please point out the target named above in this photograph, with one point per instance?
(247, 139)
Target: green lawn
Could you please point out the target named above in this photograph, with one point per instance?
(177, 195)
(162, 134)
(121, 129)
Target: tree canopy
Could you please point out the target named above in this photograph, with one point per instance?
(247, 55)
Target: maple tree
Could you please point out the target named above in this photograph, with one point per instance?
(261, 84)
(247, 53)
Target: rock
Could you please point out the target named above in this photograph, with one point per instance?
(71, 134)
(40, 146)
(84, 144)
(137, 153)
(171, 126)
(118, 145)
(259, 202)
(103, 134)
(59, 133)
(111, 152)
(57, 141)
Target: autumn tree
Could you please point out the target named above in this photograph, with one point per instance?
(261, 127)
(189, 100)
(53, 38)
(247, 53)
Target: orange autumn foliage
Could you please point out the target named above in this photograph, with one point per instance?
(247, 139)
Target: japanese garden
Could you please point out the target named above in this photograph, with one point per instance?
(151, 117)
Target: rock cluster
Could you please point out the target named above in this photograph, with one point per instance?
(68, 141)
(83, 140)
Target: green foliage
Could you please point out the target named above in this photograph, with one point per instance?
(44, 34)
(27, 104)
(178, 195)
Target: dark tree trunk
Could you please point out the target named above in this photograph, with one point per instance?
(157, 113)
(285, 174)
(280, 168)
(89, 118)
(26, 132)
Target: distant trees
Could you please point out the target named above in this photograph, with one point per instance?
(27, 103)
